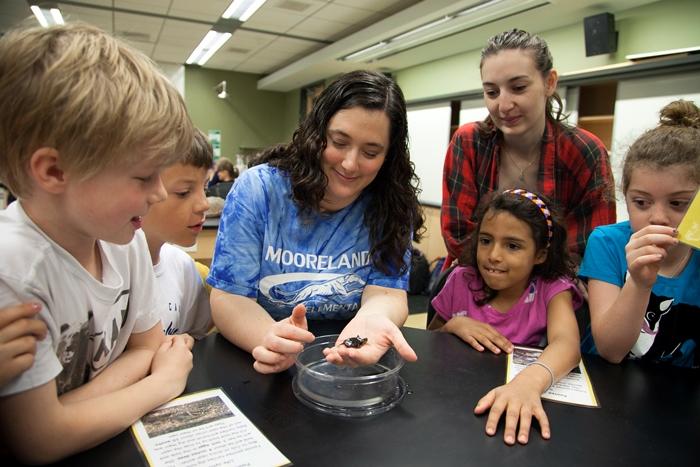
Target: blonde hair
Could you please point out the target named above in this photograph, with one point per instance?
(94, 99)
(675, 141)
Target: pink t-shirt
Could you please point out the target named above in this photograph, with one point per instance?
(524, 324)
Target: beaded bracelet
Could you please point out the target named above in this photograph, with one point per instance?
(551, 373)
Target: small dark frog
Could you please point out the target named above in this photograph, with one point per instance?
(355, 342)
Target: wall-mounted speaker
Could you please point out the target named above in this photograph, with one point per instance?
(600, 34)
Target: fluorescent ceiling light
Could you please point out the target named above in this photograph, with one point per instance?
(47, 17)
(422, 28)
(479, 6)
(40, 16)
(56, 15)
(482, 13)
(242, 9)
(208, 47)
(364, 51)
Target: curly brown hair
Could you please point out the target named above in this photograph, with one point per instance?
(393, 216)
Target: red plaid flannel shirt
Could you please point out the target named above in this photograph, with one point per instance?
(574, 170)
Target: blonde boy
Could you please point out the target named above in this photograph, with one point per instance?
(183, 302)
(86, 126)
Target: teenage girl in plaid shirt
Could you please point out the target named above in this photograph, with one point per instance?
(523, 143)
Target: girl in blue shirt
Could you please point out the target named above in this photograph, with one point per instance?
(642, 283)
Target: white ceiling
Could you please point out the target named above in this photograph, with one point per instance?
(297, 42)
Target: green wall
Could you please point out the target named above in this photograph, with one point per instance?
(248, 118)
(663, 25)
(291, 113)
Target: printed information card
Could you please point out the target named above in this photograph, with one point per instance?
(204, 428)
(689, 228)
(575, 388)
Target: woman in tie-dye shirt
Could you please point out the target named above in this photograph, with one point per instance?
(320, 232)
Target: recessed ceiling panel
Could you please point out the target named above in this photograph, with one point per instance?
(321, 29)
(183, 34)
(127, 25)
(100, 18)
(274, 20)
(343, 14)
(150, 6)
(203, 10)
(376, 5)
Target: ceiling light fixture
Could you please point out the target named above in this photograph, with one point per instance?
(364, 51)
(208, 47)
(482, 13)
(242, 9)
(47, 15)
(422, 28)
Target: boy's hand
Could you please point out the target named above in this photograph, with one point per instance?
(520, 401)
(172, 363)
(646, 250)
(477, 334)
(283, 341)
(381, 334)
(19, 331)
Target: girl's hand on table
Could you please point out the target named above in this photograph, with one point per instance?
(478, 334)
(520, 401)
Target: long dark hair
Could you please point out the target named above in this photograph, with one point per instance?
(393, 215)
(558, 262)
(517, 39)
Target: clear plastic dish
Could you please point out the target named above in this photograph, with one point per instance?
(345, 391)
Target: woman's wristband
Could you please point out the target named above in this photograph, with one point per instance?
(549, 370)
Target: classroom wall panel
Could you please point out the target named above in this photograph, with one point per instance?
(429, 133)
(637, 110)
(472, 110)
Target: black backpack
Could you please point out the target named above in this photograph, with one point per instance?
(419, 278)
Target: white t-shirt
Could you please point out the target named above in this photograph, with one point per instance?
(183, 302)
(89, 322)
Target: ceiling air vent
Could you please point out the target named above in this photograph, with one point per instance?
(237, 50)
(135, 36)
(293, 5)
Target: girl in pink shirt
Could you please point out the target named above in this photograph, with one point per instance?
(515, 285)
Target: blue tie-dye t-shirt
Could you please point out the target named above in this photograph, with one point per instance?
(268, 250)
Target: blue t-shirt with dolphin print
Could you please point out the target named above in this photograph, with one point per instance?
(267, 249)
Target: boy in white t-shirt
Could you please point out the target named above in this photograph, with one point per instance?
(87, 124)
(183, 302)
